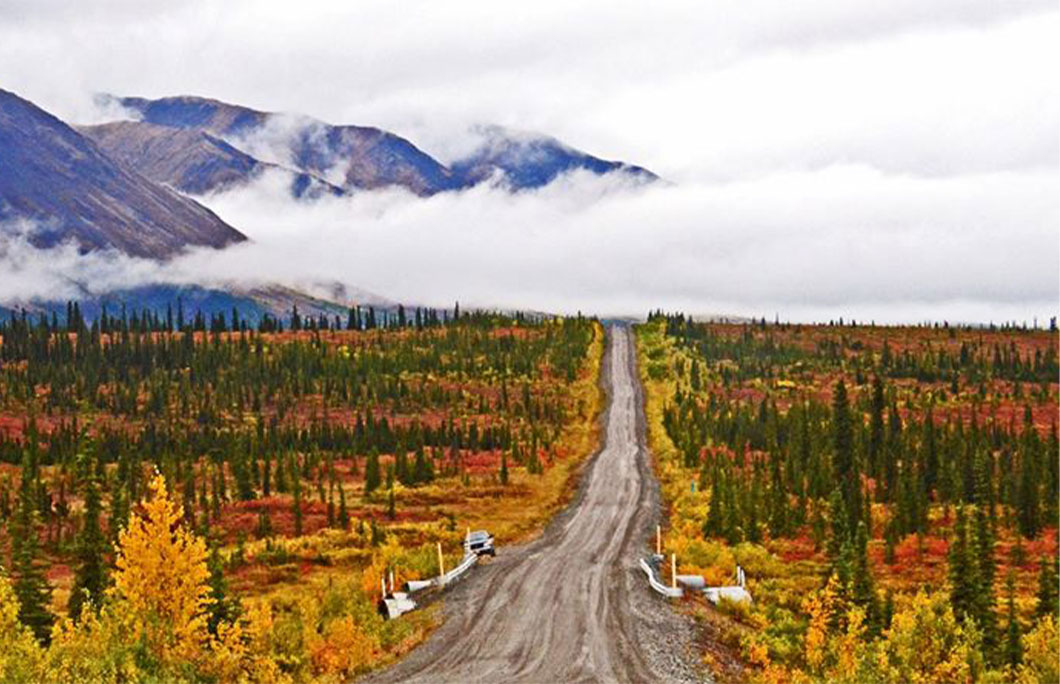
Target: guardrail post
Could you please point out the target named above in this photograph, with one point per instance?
(441, 561)
(673, 570)
(658, 540)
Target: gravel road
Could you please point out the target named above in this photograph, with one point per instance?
(572, 606)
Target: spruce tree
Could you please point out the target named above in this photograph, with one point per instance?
(344, 514)
(964, 581)
(844, 464)
(839, 530)
(1027, 503)
(929, 452)
(1048, 576)
(372, 474)
(863, 586)
(223, 607)
(778, 515)
(986, 568)
(297, 505)
(713, 524)
(1013, 655)
(30, 585)
(90, 577)
(876, 446)
(401, 467)
(423, 470)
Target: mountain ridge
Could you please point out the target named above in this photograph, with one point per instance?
(61, 181)
(354, 157)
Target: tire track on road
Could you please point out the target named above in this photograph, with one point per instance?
(571, 606)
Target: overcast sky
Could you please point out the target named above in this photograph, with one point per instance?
(892, 160)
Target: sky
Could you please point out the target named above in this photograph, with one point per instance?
(893, 161)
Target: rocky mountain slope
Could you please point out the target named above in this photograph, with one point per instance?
(191, 160)
(62, 182)
(359, 157)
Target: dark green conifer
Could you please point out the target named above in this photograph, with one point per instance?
(372, 475)
(223, 607)
(29, 583)
(1013, 655)
(90, 576)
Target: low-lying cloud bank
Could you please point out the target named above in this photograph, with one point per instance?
(842, 241)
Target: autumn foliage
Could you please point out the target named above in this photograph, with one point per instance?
(161, 579)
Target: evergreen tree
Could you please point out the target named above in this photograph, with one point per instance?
(930, 453)
(401, 467)
(90, 577)
(712, 526)
(1048, 576)
(778, 515)
(963, 573)
(344, 514)
(1013, 645)
(297, 505)
(876, 444)
(504, 468)
(986, 569)
(863, 586)
(423, 470)
(372, 475)
(1027, 504)
(844, 463)
(30, 585)
(223, 607)
(839, 530)
(266, 474)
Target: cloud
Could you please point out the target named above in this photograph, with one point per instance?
(724, 89)
(896, 160)
(842, 241)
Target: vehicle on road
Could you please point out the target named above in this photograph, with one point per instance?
(480, 543)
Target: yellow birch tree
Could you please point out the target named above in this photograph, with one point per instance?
(162, 579)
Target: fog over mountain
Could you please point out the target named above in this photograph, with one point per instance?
(895, 161)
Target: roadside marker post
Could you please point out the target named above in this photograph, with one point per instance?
(658, 540)
(441, 561)
(673, 570)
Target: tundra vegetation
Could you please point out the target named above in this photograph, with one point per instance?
(208, 500)
(891, 493)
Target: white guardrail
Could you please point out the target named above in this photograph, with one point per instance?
(659, 587)
(736, 593)
(396, 603)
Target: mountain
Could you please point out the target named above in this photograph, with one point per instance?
(191, 160)
(359, 157)
(525, 161)
(55, 176)
(350, 157)
(251, 303)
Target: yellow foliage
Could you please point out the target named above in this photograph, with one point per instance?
(925, 644)
(344, 649)
(1040, 648)
(99, 648)
(758, 654)
(849, 647)
(240, 651)
(162, 579)
(819, 606)
(20, 654)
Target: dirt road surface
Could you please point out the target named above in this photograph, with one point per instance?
(571, 606)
